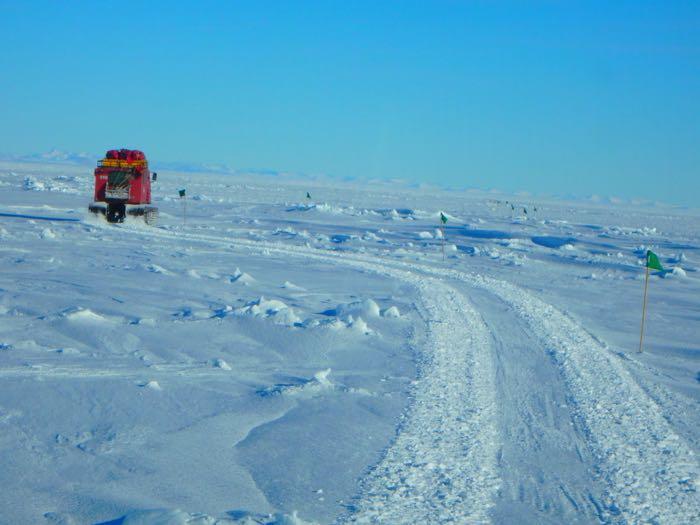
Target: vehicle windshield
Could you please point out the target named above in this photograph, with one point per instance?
(119, 178)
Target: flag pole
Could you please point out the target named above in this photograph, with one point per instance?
(644, 308)
(442, 230)
(443, 221)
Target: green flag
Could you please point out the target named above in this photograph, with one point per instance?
(443, 218)
(653, 261)
(181, 192)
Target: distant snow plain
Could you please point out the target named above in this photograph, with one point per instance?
(279, 359)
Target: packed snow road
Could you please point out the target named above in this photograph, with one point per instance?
(546, 466)
(441, 468)
(590, 445)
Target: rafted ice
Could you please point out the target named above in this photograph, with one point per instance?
(123, 186)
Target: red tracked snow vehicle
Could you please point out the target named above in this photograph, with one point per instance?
(123, 186)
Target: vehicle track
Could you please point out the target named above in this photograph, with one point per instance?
(544, 460)
(649, 472)
(441, 467)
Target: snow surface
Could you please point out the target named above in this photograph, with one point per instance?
(281, 361)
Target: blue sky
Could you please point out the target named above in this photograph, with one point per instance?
(555, 97)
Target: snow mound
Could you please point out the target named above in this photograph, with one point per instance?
(32, 184)
(366, 308)
(425, 235)
(392, 313)
(48, 233)
(154, 268)
(220, 313)
(675, 259)
(304, 388)
(151, 385)
(84, 315)
(676, 273)
(300, 207)
(58, 184)
(188, 313)
(241, 277)
(359, 325)
(340, 238)
(508, 258)
(270, 308)
(370, 236)
(201, 197)
(329, 208)
(395, 213)
(220, 363)
(321, 377)
(625, 231)
(324, 208)
(291, 286)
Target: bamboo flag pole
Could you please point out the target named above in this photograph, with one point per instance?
(644, 309)
(183, 198)
(443, 221)
(442, 232)
(652, 262)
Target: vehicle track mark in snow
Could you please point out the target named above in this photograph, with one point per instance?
(545, 462)
(650, 472)
(441, 467)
